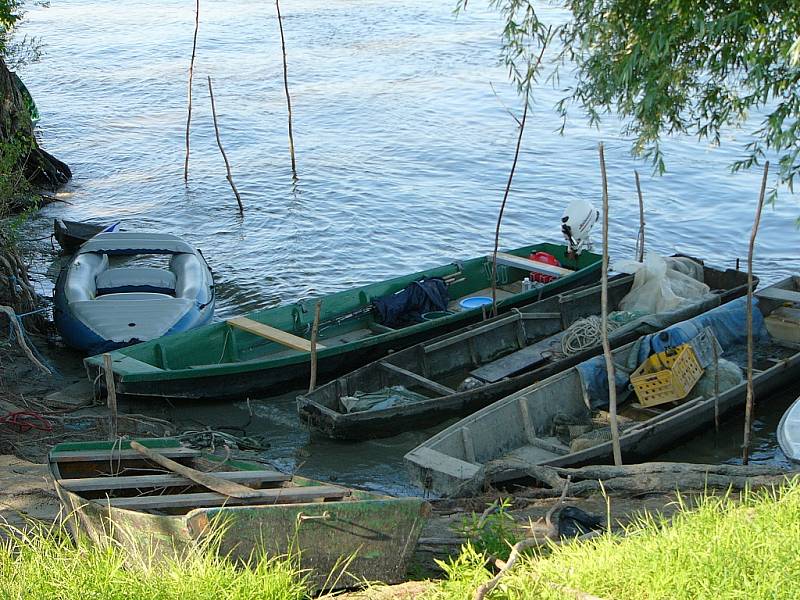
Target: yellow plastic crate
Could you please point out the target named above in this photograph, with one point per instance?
(666, 376)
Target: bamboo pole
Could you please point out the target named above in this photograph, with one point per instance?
(314, 334)
(286, 88)
(229, 176)
(640, 237)
(748, 412)
(191, 76)
(612, 385)
(111, 395)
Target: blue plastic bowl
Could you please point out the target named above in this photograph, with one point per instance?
(474, 302)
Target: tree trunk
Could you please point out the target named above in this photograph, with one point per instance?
(38, 166)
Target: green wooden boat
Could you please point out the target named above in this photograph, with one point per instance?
(111, 491)
(267, 351)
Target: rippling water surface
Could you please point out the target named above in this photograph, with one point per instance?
(403, 152)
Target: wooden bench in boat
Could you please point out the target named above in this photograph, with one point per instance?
(435, 387)
(775, 293)
(527, 264)
(120, 454)
(206, 499)
(272, 334)
(521, 360)
(139, 482)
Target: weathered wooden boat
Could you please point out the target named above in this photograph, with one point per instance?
(70, 235)
(111, 490)
(99, 306)
(459, 373)
(268, 351)
(535, 426)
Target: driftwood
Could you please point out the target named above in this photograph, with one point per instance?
(655, 478)
(12, 317)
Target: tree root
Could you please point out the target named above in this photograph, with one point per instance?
(12, 317)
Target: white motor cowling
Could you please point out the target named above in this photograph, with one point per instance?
(576, 225)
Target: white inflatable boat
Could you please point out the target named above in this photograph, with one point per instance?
(101, 307)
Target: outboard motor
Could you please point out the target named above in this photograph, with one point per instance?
(576, 225)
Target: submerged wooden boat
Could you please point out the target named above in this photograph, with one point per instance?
(268, 350)
(535, 426)
(108, 489)
(70, 235)
(459, 373)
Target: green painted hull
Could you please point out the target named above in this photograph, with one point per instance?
(376, 534)
(220, 362)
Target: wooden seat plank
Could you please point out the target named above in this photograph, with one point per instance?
(273, 334)
(206, 499)
(525, 359)
(120, 454)
(438, 388)
(527, 264)
(774, 293)
(97, 484)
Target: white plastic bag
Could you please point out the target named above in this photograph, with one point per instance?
(662, 285)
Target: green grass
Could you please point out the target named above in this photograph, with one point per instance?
(744, 547)
(46, 563)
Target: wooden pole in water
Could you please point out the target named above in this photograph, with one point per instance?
(111, 394)
(314, 334)
(612, 385)
(640, 238)
(229, 176)
(748, 411)
(286, 88)
(191, 76)
(503, 204)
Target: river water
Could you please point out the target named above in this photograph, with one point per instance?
(403, 152)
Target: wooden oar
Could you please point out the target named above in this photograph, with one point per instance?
(216, 484)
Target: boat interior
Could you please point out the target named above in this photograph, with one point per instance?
(123, 478)
(491, 352)
(553, 418)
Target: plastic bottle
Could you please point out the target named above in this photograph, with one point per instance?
(527, 284)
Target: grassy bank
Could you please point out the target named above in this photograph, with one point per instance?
(729, 547)
(45, 563)
(742, 547)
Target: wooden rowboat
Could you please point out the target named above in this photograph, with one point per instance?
(268, 351)
(495, 358)
(70, 235)
(505, 440)
(109, 489)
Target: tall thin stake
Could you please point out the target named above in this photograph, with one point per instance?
(314, 334)
(229, 176)
(612, 381)
(191, 76)
(111, 395)
(531, 71)
(640, 237)
(503, 207)
(286, 88)
(748, 411)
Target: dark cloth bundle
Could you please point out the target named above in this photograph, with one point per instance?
(407, 306)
